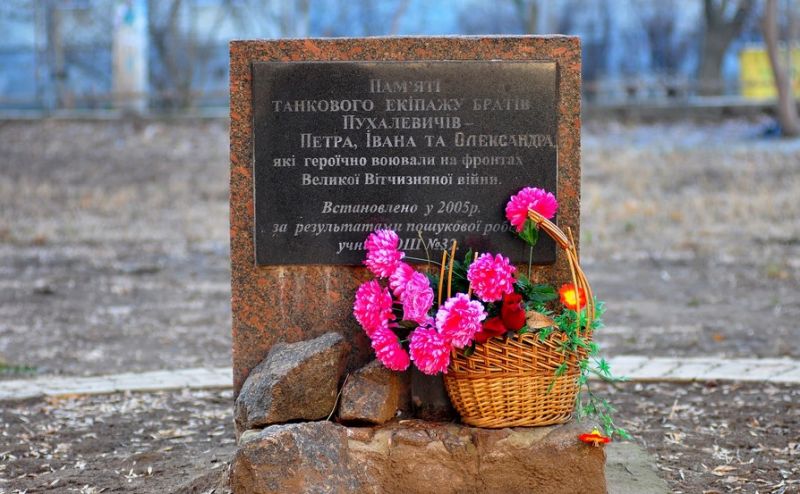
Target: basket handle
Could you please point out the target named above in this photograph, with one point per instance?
(567, 243)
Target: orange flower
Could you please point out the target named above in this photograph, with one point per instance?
(594, 438)
(571, 297)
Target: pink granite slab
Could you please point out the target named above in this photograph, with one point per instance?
(291, 303)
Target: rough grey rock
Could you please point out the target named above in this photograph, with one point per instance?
(374, 394)
(309, 457)
(296, 381)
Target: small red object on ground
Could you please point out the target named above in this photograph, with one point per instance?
(594, 438)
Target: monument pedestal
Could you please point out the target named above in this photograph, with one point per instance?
(413, 456)
(428, 137)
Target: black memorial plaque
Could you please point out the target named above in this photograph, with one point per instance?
(432, 150)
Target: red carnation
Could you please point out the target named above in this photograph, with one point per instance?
(490, 328)
(512, 312)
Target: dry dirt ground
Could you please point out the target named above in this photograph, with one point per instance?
(113, 246)
(145, 443)
(113, 257)
(716, 438)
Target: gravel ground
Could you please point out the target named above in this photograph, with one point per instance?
(716, 438)
(113, 258)
(144, 443)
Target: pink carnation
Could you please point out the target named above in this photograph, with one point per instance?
(400, 277)
(389, 351)
(491, 277)
(373, 306)
(417, 298)
(430, 350)
(459, 319)
(382, 239)
(539, 200)
(382, 254)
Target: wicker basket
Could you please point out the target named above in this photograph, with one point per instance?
(511, 382)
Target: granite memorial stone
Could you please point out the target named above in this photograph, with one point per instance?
(332, 138)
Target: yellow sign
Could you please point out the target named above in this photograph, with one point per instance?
(755, 73)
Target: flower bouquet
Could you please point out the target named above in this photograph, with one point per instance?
(513, 353)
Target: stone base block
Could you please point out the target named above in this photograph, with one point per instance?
(416, 457)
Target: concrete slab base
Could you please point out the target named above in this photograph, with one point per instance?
(631, 470)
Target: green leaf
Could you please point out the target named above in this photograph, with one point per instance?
(460, 282)
(603, 367)
(529, 233)
(535, 294)
(469, 350)
(468, 258)
(599, 308)
(433, 279)
(578, 342)
(540, 293)
(622, 433)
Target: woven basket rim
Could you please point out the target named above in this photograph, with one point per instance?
(516, 355)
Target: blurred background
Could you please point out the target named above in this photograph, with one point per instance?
(172, 55)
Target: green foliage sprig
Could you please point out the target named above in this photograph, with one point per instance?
(572, 324)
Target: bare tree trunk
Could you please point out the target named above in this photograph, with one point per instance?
(176, 82)
(719, 34)
(715, 44)
(787, 107)
(528, 11)
(398, 15)
(55, 54)
(129, 57)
